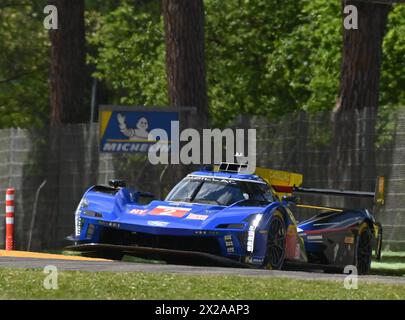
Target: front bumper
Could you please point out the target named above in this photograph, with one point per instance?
(221, 242)
(170, 255)
(227, 243)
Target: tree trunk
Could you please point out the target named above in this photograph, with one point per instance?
(68, 67)
(353, 151)
(184, 34)
(362, 56)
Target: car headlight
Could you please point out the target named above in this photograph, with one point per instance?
(254, 223)
(82, 204)
(254, 219)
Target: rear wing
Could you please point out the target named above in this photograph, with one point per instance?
(377, 195)
(283, 182)
(286, 183)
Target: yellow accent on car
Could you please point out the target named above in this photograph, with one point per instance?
(318, 208)
(280, 178)
(292, 230)
(277, 178)
(380, 189)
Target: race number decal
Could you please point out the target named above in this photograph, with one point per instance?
(169, 211)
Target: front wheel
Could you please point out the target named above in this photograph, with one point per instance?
(275, 255)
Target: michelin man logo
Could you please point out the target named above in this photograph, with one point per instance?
(140, 132)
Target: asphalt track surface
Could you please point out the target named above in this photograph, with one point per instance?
(120, 266)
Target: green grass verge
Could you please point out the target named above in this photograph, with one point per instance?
(395, 254)
(391, 264)
(28, 284)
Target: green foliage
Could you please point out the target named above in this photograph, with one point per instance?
(241, 37)
(306, 61)
(264, 57)
(24, 66)
(130, 54)
(267, 57)
(393, 71)
(392, 94)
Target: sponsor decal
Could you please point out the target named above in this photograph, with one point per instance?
(169, 211)
(314, 237)
(128, 129)
(214, 179)
(254, 260)
(156, 131)
(109, 224)
(140, 212)
(193, 216)
(349, 240)
(158, 223)
(229, 244)
(211, 233)
(257, 260)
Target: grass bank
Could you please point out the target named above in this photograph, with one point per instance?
(28, 284)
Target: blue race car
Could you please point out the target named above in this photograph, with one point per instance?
(226, 218)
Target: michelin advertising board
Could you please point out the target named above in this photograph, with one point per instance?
(127, 129)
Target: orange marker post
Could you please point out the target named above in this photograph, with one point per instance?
(10, 219)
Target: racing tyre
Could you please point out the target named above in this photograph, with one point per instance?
(363, 252)
(276, 243)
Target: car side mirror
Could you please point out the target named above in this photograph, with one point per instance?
(115, 183)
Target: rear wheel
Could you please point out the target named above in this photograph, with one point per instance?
(363, 253)
(276, 243)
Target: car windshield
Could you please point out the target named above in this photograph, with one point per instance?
(219, 191)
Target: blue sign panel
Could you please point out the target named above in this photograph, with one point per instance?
(126, 129)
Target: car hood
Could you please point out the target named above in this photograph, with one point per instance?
(121, 209)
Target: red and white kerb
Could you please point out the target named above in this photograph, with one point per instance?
(10, 219)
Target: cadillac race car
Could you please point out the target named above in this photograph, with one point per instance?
(227, 218)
